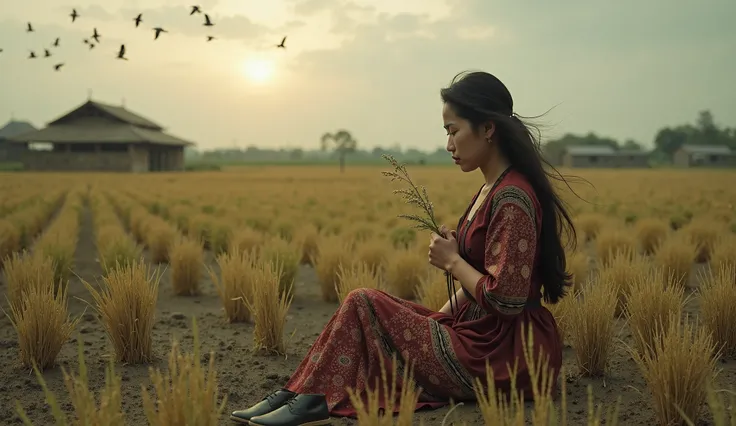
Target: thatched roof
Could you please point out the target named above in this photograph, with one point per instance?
(94, 122)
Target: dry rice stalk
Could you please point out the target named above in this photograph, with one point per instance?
(359, 275)
(653, 298)
(623, 268)
(432, 291)
(186, 395)
(126, 303)
(561, 312)
(86, 410)
(404, 272)
(268, 309)
(332, 252)
(23, 271)
(718, 307)
(401, 397)
(186, 258)
(41, 320)
(496, 407)
(591, 327)
(235, 284)
(676, 254)
(678, 369)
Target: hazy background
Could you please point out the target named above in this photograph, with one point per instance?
(623, 69)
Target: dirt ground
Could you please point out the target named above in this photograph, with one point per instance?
(246, 377)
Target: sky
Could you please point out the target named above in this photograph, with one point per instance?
(622, 69)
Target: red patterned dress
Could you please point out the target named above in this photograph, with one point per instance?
(447, 351)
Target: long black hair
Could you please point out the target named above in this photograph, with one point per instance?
(480, 97)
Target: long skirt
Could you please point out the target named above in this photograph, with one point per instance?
(370, 324)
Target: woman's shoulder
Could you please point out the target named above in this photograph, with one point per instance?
(515, 188)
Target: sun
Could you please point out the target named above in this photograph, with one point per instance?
(258, 70)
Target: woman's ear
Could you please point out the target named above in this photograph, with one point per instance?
(490, 129)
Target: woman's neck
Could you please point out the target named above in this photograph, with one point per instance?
(494, 168)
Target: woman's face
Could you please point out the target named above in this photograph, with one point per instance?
(470, 149)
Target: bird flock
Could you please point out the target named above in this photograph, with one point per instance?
(95, 38)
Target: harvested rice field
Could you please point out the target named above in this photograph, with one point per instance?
(117, 268)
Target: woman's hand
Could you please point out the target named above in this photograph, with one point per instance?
(443, 251)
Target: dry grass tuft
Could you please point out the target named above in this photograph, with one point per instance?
(404, 272)
(678, 369)
(578, 266)
(280, 251)
(245, 239)
(235, 284)
(401, 396)
(86, 409)
(718, 307)
(269, 310)
(704, 233)
(612, 240)
(591, 326)
(41, 320)
(432, 291)
(561, 312)
(114, 248)
(186, 395)
(623, 268)
(126, 303)
(332, 252)
(650, 232)
(676, 255)
(23, 271)
(159, 240)
(724, 253)
(653, 298)
(355, 276)
(307, 239)
(590, 225)
(186, 258)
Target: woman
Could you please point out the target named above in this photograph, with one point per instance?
(506, 250)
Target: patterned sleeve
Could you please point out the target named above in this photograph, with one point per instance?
(511, 244)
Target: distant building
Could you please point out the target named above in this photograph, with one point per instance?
(603, 156)
(10, 153)
(100, 137)
(704, 156)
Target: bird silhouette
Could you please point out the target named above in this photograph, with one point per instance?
(195, 9)
(1, 50)
(282, 45)
(74, 15)
(29, 28)
(96, 36)
(46, 53)
(210, 38)
(158, 30)
(138, 19)
(56, 43)
(207, 22)
(121, 53)
(32, 55)
(91, 46)
(86, 41)
(57, 67)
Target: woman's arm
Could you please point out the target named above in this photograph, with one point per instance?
(459, 300)
(510, 248)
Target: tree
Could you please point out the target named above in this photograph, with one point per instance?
(342, 143)
(631, 145)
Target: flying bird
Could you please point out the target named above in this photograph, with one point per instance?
(282, 45)
(56, 43)
(1, 50)
(158, 30)
(138, 19)
(32, 55)
(121, 53)
(57, 67)
(47, 53)
(195, 9)
(210, 38)
(74, 15)
(96, 36)
(29, 28)
(207, 22)
(92, 46)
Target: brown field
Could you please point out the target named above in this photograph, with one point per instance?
(209, 242)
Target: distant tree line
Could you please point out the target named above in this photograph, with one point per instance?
(668, 139)
(342, 148)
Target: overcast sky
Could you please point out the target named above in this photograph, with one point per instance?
(619, 68)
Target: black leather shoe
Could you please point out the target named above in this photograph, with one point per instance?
(267, 404)
(302, 410)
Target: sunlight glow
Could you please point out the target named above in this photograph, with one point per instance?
(258, 70)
